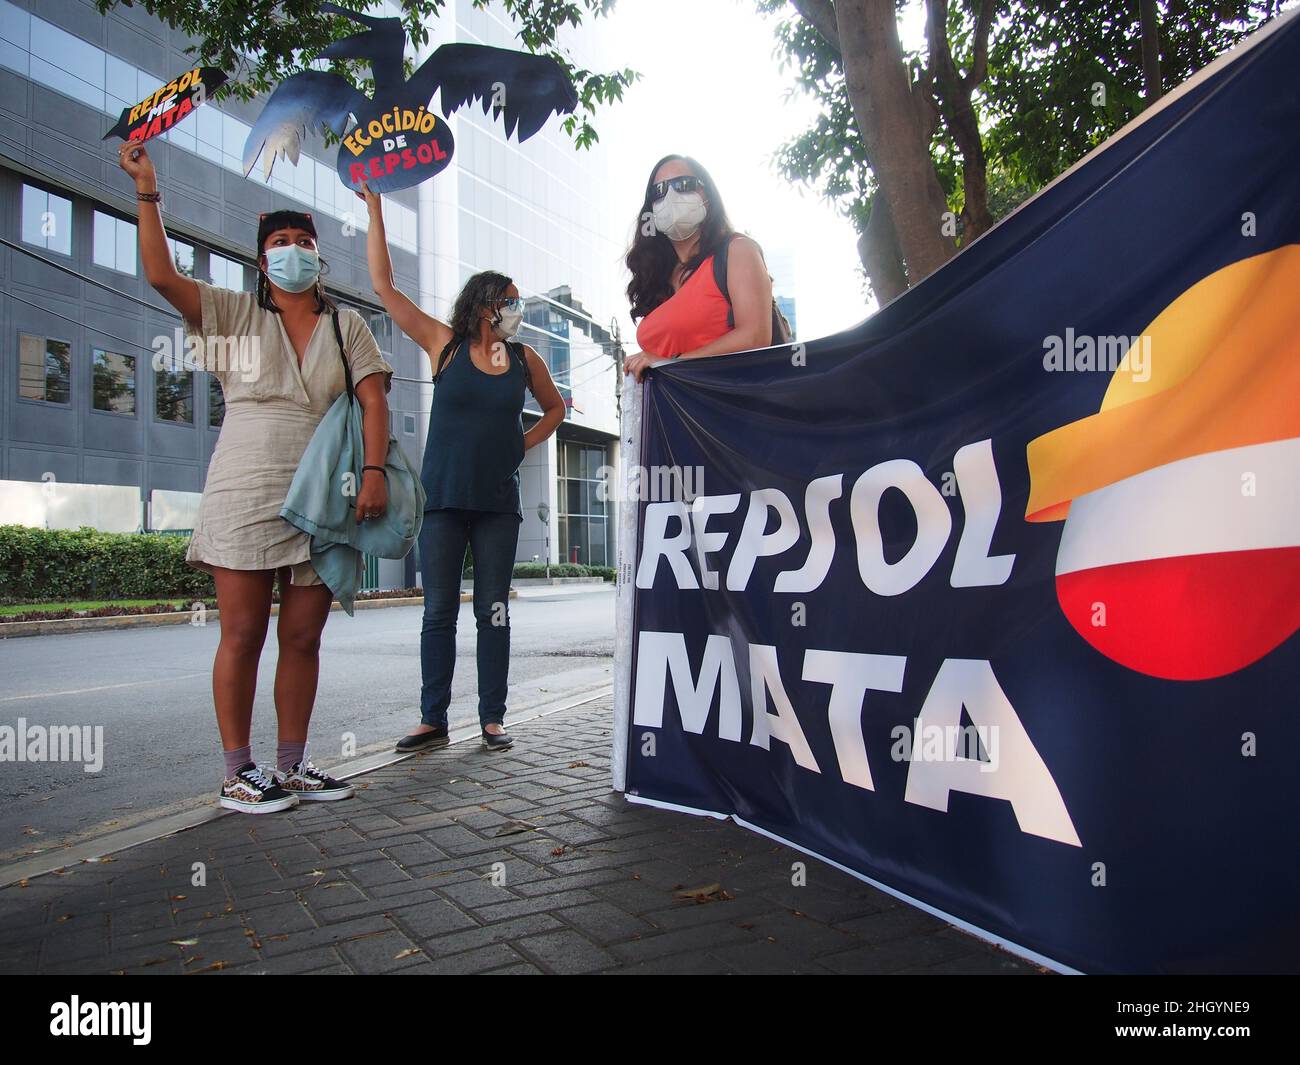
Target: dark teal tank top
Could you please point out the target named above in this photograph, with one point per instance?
(476, 437)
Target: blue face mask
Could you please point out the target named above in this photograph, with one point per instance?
(292, 268)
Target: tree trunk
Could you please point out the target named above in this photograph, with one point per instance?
(888, 119)
(1150, 16)
(954, 94)
(878, 250)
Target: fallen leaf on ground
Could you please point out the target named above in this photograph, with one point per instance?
(557, 851)
(407, 953)
(214, 965)
(579, 765)
(183, 942)
(707, 893)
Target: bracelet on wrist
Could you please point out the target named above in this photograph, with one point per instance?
(380, 469)
(149, 197)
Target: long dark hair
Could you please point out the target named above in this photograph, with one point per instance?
(481, 290)
(651, 257)
(267, 225)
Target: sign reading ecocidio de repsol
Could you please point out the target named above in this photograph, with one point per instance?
(169, 104)
(395, 149)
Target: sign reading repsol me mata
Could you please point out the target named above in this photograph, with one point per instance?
(169, 105)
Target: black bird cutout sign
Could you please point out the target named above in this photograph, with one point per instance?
(397, 141)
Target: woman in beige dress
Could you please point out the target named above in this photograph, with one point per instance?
(277, 360)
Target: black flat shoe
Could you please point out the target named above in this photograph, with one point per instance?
(502, 742)
(423, 741)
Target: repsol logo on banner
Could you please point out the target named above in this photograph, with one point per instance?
(677, 533)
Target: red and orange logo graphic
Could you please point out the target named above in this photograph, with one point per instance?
(1180, 552)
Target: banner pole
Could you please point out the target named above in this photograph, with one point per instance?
(627, 498)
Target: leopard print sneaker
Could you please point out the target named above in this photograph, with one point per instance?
(311, 785)
(254, 790)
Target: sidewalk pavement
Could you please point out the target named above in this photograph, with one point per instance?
(463, 861)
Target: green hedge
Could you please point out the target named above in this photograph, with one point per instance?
(563, 569)
(54, 564)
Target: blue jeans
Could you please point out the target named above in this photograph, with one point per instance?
(493, 538)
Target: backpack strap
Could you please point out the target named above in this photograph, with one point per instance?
(720, 277)
(780, 330)
(443, 357)
(516, 348)
(343, 354)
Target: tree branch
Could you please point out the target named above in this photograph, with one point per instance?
(979, 67)
(820, 14)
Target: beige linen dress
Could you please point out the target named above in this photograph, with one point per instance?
(272, 409)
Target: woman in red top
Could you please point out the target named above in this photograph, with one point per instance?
(682, 312)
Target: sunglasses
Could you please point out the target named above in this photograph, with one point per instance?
(685, 183)
(305, 214)
(513, 305)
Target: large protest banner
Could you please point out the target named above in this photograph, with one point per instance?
(991, 600)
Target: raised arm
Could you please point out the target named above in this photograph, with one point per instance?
(155, 255)
(424, 329)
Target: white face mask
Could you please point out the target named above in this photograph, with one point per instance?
(508, 323)
(679, 214)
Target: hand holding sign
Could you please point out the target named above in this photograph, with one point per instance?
(132, 158)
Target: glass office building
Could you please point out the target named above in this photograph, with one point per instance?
(82, 403)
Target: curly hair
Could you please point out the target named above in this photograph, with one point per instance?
(651, 258)
(481, 290)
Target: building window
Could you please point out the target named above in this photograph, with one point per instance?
(113, 382)
(182, 256)
(114, 243)
(381, 325)
(225, 273)
(216, 403)
(47, 220)
(65, 62)
(584, 525)
(44, 369)
(174, 396)
(408, 424)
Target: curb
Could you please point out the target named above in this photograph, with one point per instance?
(179, 617)
(200, 811)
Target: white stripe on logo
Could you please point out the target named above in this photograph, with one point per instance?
(1242, 499)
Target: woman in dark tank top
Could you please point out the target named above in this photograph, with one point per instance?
(470, 475)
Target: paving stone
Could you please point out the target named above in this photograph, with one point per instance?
(405, 867)
(604, 923)
(565, 952)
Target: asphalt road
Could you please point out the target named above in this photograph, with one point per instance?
(150, 689)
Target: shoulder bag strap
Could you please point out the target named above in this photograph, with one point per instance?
(347, 368)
